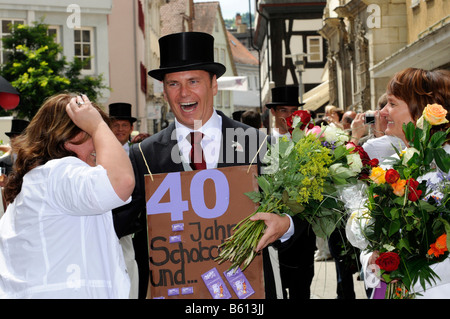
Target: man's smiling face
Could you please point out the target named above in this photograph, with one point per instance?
(190, 95)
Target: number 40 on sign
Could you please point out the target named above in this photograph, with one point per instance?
(177, 206)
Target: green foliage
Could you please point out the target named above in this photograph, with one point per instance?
(298, 182)
(37, 69)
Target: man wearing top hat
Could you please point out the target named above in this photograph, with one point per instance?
(7, 159)
(122, 126)
(284, 103)
(122, 122)
(189, 75)
(297, 260)
(17, 127)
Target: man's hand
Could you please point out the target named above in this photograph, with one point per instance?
(277, 226)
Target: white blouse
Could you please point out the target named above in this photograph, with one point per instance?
(57, 238)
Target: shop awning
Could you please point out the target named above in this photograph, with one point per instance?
(317, 97)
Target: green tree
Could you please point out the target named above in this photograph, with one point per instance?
(37, 69)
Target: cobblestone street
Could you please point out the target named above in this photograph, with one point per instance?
(324, 282)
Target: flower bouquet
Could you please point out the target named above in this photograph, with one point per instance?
(408, 210)
(299, 178)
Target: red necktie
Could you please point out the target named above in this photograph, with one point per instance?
(197, 159)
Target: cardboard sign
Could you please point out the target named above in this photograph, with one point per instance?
(189, 214)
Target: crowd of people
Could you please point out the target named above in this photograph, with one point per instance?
(75, 220)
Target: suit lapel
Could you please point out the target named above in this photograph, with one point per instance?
(227, 150)
(167, 152)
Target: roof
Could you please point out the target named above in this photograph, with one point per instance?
(240, 53)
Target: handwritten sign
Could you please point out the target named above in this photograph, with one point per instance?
(189, 215)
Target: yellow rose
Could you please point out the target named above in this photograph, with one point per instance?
(377, 175)
(435, 114)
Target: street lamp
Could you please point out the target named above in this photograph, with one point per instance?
(299, 62)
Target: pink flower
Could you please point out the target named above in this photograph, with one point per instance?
(315, 130)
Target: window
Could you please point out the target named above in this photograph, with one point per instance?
(141, 17)
(314, 48)
(5, 30)
(54, 31)
(143, 78)
(83, 41)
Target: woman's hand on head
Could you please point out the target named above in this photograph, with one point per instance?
(84, 114)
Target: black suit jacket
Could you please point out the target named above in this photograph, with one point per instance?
(162, 156)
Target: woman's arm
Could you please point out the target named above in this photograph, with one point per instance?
(109, 152)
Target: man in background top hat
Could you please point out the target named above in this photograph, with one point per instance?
(122, 122)
(122, 126)
(296, 261)
(189, 76)
(17, 127)
(7, 159)
(284, 103)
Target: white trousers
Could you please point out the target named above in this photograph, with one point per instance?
(128, 253)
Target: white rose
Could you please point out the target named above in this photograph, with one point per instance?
(335, 135)
(354, 162)
(408, 154)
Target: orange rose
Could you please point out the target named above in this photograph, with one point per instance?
(439, 247)
(399, 187)
(435, 114)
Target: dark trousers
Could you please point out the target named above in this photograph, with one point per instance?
(344, 266)
(297, 266)
(140, 244)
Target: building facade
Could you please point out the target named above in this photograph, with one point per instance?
(370, 40)
(284, 30)
(134, 30)
(81, 27)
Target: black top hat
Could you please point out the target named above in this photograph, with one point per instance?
(17, 127)
(285, 96)
(187, 51)
(121, 111)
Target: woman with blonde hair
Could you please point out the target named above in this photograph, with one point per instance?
(57, 238)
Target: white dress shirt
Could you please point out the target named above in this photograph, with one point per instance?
(276, 134)
(57, 238)
(211, 142)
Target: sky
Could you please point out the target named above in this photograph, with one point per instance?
(229, 8)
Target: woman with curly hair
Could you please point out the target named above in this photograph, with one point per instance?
(57, 238)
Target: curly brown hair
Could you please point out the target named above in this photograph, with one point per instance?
(43, 140)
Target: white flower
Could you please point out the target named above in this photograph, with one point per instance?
(340, 171)
(355, 228)
(408, 154)
(354, 162)
(335, 135)
(419, 122)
